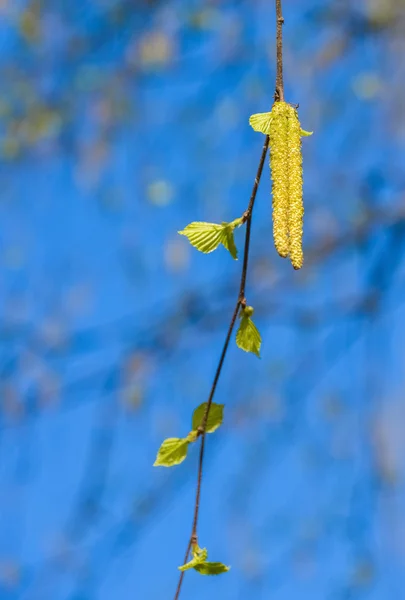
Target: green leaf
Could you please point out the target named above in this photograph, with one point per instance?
(199, 556)
(211, 568)
(228, 241)
(306, 133)
(199, 563)
(206, 237)
(248, 337)
(192, 436)
(261, 122)
(248, 311)
(237, 222)
(172, 452)
(215, 416)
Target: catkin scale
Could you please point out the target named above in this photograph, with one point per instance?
(278, 132)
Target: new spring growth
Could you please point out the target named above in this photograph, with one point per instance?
(284, 130)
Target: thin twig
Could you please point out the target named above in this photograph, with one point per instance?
(279, 94)
(241, 301)
(248, 219)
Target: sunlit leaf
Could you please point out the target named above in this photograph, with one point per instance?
(215, 416)
(211, 568)
(199, 556)
(248, 311)
(261, 122)
(199, 563)
(172, 452)
(248, 337)
(227, 240)
(206, 237)
(192, 436)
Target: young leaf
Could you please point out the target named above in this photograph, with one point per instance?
(227, 240)
(206, 237)
(172, 452)
(215, 416)
(248, 337)
(211, 568)
(192, 436)
(248, 311)
(261, 122)
(236, 223)
(199, 556)
(305, 133)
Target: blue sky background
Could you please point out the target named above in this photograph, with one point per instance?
(121, 122)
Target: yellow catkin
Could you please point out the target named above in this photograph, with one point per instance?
(295, 200)
(278, 133)
(284, 130)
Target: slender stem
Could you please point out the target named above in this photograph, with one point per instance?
(248, 217)
(241, 301)
(279, 94)
(180, 581)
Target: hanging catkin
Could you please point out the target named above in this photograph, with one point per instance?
(284, 130)
(296, 205)
(278, 133)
